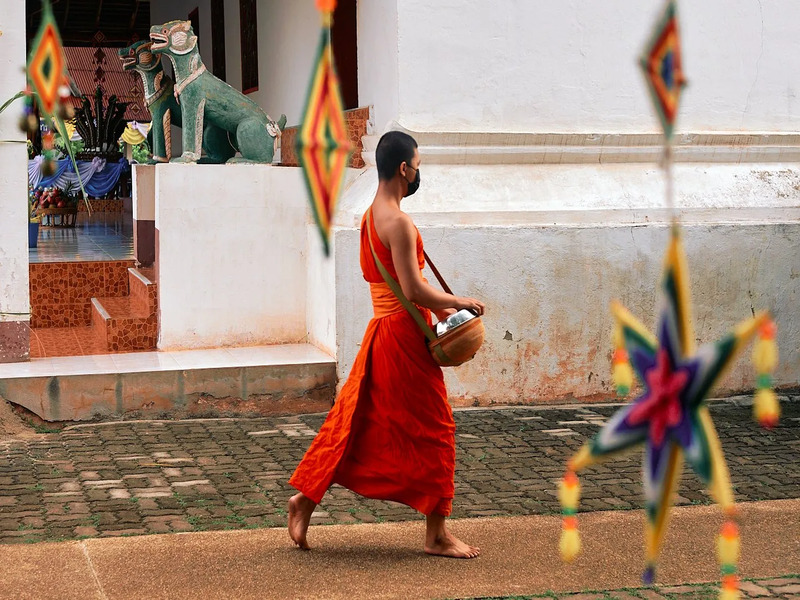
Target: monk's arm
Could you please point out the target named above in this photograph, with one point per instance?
(402, 237)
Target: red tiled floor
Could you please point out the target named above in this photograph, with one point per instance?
(66, 341)
(54, 341)
(89, 341)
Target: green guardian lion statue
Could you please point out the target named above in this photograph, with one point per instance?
(164, 108)
(158, 87)
(206, 100)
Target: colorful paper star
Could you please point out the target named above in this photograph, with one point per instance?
(669, 417)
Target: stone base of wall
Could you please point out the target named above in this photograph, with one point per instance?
(14, 341)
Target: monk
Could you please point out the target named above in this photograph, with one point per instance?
(391, 435)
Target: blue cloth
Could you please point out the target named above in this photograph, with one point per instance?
(99, 177)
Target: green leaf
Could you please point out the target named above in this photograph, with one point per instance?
(62, 130)
(8, 102)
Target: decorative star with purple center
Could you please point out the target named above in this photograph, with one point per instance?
(669, 416)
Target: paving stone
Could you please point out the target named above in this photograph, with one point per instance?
(779, 581)
(680, 589)
(753, 590)
(193, 473)
(793, 588)
(651, 595)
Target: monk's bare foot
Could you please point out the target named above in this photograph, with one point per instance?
(300, 509)
(440, 542)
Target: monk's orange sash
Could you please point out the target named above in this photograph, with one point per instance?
(384, 301)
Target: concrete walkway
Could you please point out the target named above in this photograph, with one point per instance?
(384, 560)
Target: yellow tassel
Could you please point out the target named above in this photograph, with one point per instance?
(767, 408)
(728, 544)
(570, 544)
(765, 355)
(730, 588)
(569, 492)
(622, 376)
(729, 595)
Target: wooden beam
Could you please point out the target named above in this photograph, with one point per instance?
(99, 10)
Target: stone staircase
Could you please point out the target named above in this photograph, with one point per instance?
(128, 323)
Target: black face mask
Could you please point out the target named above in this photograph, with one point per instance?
(413, 186)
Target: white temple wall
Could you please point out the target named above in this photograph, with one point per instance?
(571, 66)
(378, 59)
(548, 274)
(14, 295)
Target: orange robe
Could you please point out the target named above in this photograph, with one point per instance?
(390, 435)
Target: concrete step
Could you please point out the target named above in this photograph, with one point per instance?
(124, 324)
(261, 380)
(143, 290)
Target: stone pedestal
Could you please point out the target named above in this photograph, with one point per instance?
(231, 254)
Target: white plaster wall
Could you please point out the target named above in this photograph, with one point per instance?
(288, 34)
(538, 66)
(378, 59)
(13, 170)
(548, 289)
(233, 44)
(232, 255)
(321, 303)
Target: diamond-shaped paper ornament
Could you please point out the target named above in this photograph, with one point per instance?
(663, 71)
(323, 145)
(47, 65)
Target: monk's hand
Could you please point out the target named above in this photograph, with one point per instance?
(471, 304)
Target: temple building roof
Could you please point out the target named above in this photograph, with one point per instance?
(89, 67)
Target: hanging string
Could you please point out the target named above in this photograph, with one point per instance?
(669, 176)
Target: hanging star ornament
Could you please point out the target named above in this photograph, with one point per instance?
(669, 417)
(323, 145)
(662, 67)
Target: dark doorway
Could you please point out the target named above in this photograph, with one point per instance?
(194, 19)
(344, 35)
(248, 27)
(218, 38)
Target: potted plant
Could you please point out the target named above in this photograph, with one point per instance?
(34, 220)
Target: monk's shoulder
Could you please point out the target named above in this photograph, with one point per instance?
(400, 226)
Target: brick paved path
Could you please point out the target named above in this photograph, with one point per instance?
(153, 477)
(787, 588)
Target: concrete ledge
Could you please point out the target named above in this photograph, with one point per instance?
(577, 148)
(258, 381)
